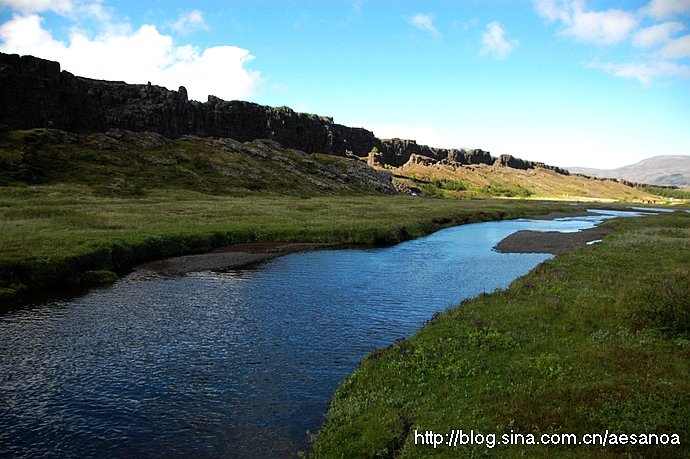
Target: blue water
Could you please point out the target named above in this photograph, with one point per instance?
(230, 364)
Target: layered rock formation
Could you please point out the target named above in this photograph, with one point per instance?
(37, 93)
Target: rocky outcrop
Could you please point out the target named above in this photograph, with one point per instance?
(397, 152)
(510, 161)
(475, 156)
(423, 160)
(517, 163)
(36, 93)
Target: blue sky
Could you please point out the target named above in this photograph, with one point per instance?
(567, 82)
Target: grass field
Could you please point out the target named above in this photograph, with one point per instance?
(71, 235)
(482, 180)
(75, 210)
(593, 340)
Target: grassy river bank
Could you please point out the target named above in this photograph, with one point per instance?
(66, 236)
(594, 341)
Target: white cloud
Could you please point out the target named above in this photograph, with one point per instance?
(604, 27)
(66, 8)
(36, 6)
(466, 25)
(644, 72)
(219, 70)
(676, 49)
(601, 27)
(494, 41)
(190, 22)
(25, 35)
(553, 10)
(425, 22)
(657, 34)
(667, 8)
(615, 26)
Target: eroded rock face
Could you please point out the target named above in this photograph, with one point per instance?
(35, 93)
(517, 163)
(423, 160)
(398, 152)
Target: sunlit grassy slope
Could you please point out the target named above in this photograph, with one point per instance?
(468, 181)
(132, 164)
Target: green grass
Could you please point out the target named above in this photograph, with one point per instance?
(75, 210)
(591, 340)
(506, 191)
(134, 164)
(667, 191)
(51, 235)
(446, 188)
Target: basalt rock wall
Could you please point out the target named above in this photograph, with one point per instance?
(397, 152)
(36, 93)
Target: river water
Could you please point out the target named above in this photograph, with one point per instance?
(230, 364)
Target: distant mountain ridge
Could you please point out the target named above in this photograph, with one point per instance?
(665, 170)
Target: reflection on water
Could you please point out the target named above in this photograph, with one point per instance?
(231, 364)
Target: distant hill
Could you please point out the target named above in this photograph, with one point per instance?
(669, 170)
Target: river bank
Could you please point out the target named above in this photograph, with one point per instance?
(244, 254)
(56, 237)
(229, 257)
(595, 340)
(170, 361)
(553, 242)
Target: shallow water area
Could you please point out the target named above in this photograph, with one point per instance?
(231, 364)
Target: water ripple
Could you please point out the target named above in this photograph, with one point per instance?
(229, 364)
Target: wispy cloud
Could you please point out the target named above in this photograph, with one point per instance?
(357, 7)
(189, 22)
(663, 9)
(466, 25)
(601, 27)
(657, 34)
(425, 22)
(38, 6)
(676, 49)
(656, 45)
(645, 71)
(494, 41)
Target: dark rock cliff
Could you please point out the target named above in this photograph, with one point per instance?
(397, 152)
(35, 93)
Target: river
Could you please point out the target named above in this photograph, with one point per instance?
(230, 364)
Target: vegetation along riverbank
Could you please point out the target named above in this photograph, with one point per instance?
(68, 235)
(595, 340)
(78, 210)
